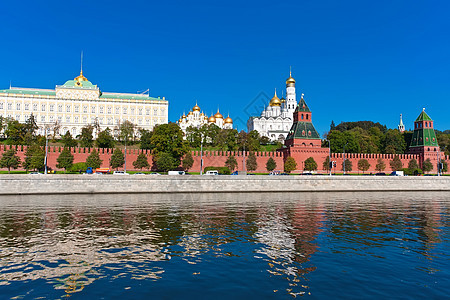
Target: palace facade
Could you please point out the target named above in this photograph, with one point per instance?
(277, 118)
(78, 103)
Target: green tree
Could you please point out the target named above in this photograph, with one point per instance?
(427, 166)
(413, 165)
(10, 160)
(290, 164)
(93, 160)
(188, 161)
(117, 159)
(310, 164)
(231, 163)
(380, 166)
(105, 139)
(363, 165)
(68, 140)
(165, 161)
(65, 160)
(348, 165)
(193, 136)
(34, 158)
(326, 164)
(393, 142)
(251, 162)
(86, 137)
(127, 132)
(271, 164)
(444, 167)
(30, 128)
(146, 137)
(168, 138)
(14, 132)
(396, 164)
(232, 138)
(141, 161)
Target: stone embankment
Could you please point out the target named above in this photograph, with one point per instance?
(110, 184)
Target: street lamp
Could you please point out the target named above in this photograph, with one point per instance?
(330, 164)
(46, 149)
(343, 164)
(201, 155)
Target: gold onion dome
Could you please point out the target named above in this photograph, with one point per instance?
(190, 113)
(184, 116)
(196, 107)
(218, 115)
(80, 77)
(290, 80)
(228, 120)
(275, 101)
(212, 119)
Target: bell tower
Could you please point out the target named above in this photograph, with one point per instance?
(291, 101)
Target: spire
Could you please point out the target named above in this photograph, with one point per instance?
(81, 72)
(401, 127)
(290, 71)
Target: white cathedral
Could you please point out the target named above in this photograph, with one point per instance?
(276, 119)
(197, 119)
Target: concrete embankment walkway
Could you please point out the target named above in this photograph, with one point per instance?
(110, 184)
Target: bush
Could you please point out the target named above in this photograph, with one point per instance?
(221, 170)
(78, 166)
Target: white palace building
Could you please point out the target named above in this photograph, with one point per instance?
(276, 119)
(78, 103)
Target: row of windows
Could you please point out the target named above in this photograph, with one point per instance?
(76, 108)
(419, 125)
(76, 119)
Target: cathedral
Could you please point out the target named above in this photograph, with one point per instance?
(277, 118)
(197, 119)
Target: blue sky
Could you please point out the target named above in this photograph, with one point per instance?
(354, 60)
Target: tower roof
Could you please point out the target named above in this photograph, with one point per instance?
(423, 117)
(302, 106)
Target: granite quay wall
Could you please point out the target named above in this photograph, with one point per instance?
(110, 184)
(218, 158)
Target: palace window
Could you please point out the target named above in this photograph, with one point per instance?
(68, 119)
(140, 111)
(147, 111)
(147, 121)
(84, 120)
(124, 110)
(18, 117)
(1, 105)
(74, 131)
(133, 111)
(101, 120)
(60, 107)
(67, 108)
(43, 107)
(93, 109)
(35, 107)
(85, 108)
(117, 110)
(162, 112)
(76, 119)
(92, 120)
(10, 106)
(101, 109)
(109, 121)
(109, 110)
(51, 119)
(52, 107)
(77, 108)
(140, 121)
(42, 118)
(17, 106)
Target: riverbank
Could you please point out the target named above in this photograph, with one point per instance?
(109, 184)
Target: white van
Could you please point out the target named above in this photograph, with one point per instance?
(212, 172)
(176, 173)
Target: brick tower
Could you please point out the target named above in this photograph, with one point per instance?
(424, 141)
(303, 140)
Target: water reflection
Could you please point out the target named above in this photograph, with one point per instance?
(266, 244)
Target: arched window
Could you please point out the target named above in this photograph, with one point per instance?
(302, 116)
(306, 117)
(426, 124)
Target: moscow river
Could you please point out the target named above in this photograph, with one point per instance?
(226, 246)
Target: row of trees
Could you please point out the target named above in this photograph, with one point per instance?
(370, 137)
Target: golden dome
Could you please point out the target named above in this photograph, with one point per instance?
(228, 120)
(212, 119)
(196, 107)
(290, 80)
(80, 77)
(275, 101)
(184, 116)
(218, 115)
(202, 114)
(190, 113)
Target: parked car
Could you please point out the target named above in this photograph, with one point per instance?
(273, 173)
(120, 173)
(35, 173)
(176, 173)
(212, 172)
(138, 173)
(154, 173)
(380, 174)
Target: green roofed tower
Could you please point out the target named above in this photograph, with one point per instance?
(302, 132)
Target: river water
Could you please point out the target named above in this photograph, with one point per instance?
(226, 246)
